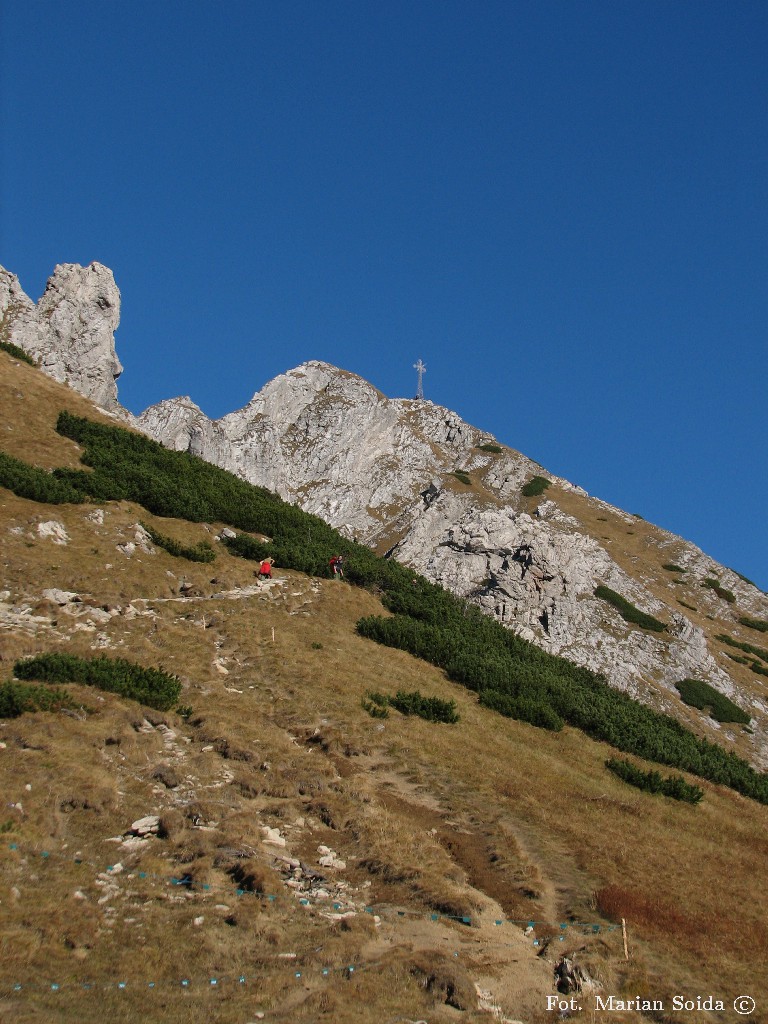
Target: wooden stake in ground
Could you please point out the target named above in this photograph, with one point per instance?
(273, 634)
(624, 934)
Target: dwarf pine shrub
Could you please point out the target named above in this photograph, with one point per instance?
(671, 567)
(494, 449)
(36, 484)
(376, 704)
(628, 611)
(523, 709)
(673, 786)
(759, 624)
(202, 552)
(17, 353)
(738, 658)
(535, 486)
(698, 694)
(150, 686)
(462, 477)
(759, 652)
(721, 592)
(18, 698)
(433, 709)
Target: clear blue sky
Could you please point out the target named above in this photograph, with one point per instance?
(561, 207)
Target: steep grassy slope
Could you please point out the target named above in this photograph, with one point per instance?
(488, 819)
(510, 674)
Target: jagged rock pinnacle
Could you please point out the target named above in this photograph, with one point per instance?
(71, 329)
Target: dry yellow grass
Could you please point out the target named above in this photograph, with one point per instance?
(489, 818)
(30, 404)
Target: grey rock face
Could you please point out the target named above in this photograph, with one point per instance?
(331, 442)
(71, 330)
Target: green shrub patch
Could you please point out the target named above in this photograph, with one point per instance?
(202, 552)
(628, 611)
(17, 698)
(16, 352)
(721, 592)
(523, 709)
(701, 695)
(376, 704)
(673, 786)
(433, 709)
(759, 652)
(462, 477)
(535, 486)
(671, 567)
(36, 484)
(738, 658)
(150, 686)
(494, 449)
(759, 624)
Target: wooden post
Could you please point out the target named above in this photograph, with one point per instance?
(624, 934)
(273, 634)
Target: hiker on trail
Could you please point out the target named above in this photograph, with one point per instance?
(265, 569)
(337, 567)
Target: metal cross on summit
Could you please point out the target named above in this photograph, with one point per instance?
(421, 369)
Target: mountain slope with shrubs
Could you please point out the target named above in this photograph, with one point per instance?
(582, 579)
(509, 673)
(453, 836)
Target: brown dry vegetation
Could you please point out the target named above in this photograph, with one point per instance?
(489, 819)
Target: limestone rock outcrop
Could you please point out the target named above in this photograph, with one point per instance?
(71, 330)
(331, 442)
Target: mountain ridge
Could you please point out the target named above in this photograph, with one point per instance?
(256, 831)
(413, 480)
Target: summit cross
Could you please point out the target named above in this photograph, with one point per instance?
(421, 370)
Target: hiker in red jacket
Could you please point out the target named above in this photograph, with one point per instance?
(265, 569)
(337, 567)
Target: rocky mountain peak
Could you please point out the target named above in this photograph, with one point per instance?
(71, 329)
